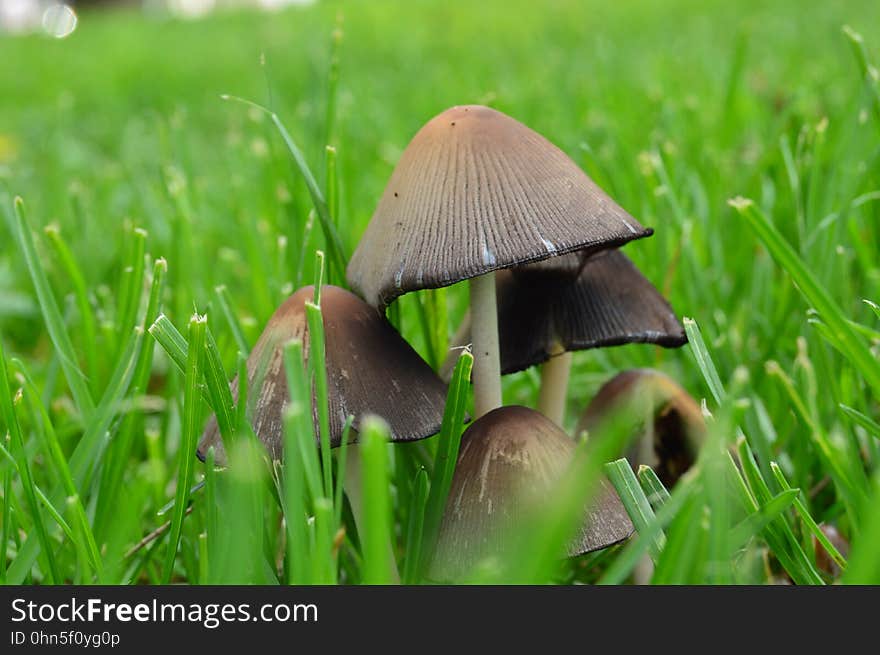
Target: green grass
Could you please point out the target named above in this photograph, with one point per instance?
(147, 198)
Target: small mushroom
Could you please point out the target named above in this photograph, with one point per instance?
(670, 425)
(370, 369)
(474, 192)
(583, 302)
(510, 460)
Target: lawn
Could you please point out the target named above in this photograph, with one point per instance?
(746, 134)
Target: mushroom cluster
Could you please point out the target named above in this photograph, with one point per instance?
(476, 192)
(477, 196)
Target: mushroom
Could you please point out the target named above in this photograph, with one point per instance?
(370, 369)
(583, 302)
(510, 460)
(474, 192)
(670, 427)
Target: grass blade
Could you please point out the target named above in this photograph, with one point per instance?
(317, 366)
(755, 491)
(332, 184)
(447, 452)
(376, 528)
(866, 68)
(863, 564)
(301, 405)
(216, 390)
(777, 532)
(242, 424)
(172, 341)
(88, 452)
(415, 528)
(851, 345)
(51, 314)
(301, 468)
(87, 316)
(219, 394)
(655, 490)
(7, 410)
(41, 496)
(634, 500)
(331, 236)
(808, 519)
(6, 527)
(704, 360)
(341, 460)
(708, 370)
(858, 418)
(850, 480)
(62, 470)
(763, 516)
(190, 429)
(295, 512)
(225, 302)
(118, 458)
(624, 563)
(133, 281)
(322, 558)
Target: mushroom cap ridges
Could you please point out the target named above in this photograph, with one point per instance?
(477, 191)
(609, 303)
(370, 369)
(510, 461)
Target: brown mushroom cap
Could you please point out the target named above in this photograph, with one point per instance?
(677, 429)
(609, 303)
(370, 369)
(511, 459)
(476, 191)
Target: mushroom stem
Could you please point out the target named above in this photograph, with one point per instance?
(554, 386)
(484, 335)
(459, 339)
(352, 485)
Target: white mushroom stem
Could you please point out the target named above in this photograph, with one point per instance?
(484, 335)
(352, 485)
(554, 386)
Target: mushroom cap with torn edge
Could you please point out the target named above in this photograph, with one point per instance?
(669, 424)
(476, 191)
(370, 369)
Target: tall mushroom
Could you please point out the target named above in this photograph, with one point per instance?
(583, 302)
(669, 426)
(474, 192)
(510, 460)
(370, 369)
